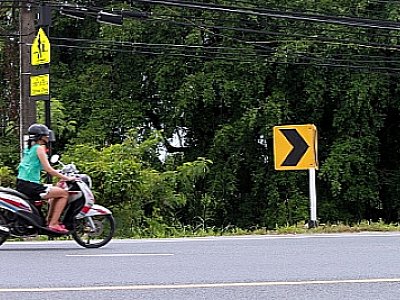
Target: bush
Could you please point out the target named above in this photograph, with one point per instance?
(140, 195)
(7, 177)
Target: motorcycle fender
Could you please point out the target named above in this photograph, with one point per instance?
(95, 210)
(13, 203)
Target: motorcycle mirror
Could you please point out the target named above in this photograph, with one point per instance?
(52, 136)
(54, 158)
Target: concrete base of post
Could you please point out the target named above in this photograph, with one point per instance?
(312, 224)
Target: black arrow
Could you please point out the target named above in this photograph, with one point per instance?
(40, 49)
(299, 147)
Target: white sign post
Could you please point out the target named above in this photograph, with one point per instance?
(296, 148)
(313, 200)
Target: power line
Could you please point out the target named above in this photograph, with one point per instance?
(218, 27)
(261, 58)
(187, 54)
(263, 12)
(315, 38)
(197, 47)
(369, 45)
(298, 16)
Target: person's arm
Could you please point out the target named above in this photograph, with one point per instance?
(41, 153)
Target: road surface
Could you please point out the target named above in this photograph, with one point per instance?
(333, 266)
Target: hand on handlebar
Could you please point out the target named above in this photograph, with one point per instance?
(70, 178)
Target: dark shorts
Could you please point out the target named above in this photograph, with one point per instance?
(33, 190)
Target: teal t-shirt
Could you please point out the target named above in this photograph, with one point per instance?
(30, 167)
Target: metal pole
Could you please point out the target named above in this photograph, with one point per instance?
(313, 200)
(27, 107)
(45, 22)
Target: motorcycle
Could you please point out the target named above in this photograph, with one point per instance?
(89, 224)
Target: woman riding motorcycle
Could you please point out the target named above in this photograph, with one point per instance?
(35, 160)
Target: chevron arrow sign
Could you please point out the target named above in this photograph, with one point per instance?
(295, 147)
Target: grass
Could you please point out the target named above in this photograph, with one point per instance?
(188, 231)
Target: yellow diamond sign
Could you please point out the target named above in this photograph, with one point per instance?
(295, 147)
(40, 49)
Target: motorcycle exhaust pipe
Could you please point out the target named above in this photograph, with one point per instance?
(4, 230)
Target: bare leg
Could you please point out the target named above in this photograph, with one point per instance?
(58, 200)
(50, 210)
(58, 206)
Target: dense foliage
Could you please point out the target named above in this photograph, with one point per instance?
(123, 95)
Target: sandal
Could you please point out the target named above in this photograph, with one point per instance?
(58, 229)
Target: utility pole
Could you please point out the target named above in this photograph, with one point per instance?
(11, 63)
(27, 106)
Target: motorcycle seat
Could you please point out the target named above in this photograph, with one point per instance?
(14, 192)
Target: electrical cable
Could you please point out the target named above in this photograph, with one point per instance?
(99, 9)
(135, 44)
(197, 56)
(15, 35)
(314, 38)
(262, 12)
(220, 27)
(348, 21)
(261, 32)
(209, 49)
(185, 54)
(60, 4)
(371, 46)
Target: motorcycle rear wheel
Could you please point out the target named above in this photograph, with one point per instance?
(3, 237)
(93, 232)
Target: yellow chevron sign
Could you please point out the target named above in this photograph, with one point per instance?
(295, 147)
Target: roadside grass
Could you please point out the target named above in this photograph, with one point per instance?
(189, 231)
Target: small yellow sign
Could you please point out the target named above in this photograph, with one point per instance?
(40, 85)
(295, 147)
(40, 49)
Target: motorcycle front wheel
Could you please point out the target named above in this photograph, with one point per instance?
(94, 232)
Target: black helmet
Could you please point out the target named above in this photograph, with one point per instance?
(36, 131)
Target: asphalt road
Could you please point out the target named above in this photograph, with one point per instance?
(348, 266)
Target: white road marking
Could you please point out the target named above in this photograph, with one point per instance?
(258, 237)
(200, 285)
(221, 238)
(119, 254)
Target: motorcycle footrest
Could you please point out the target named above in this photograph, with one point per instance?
(4, 230)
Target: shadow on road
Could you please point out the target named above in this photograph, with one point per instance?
(32, 249)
